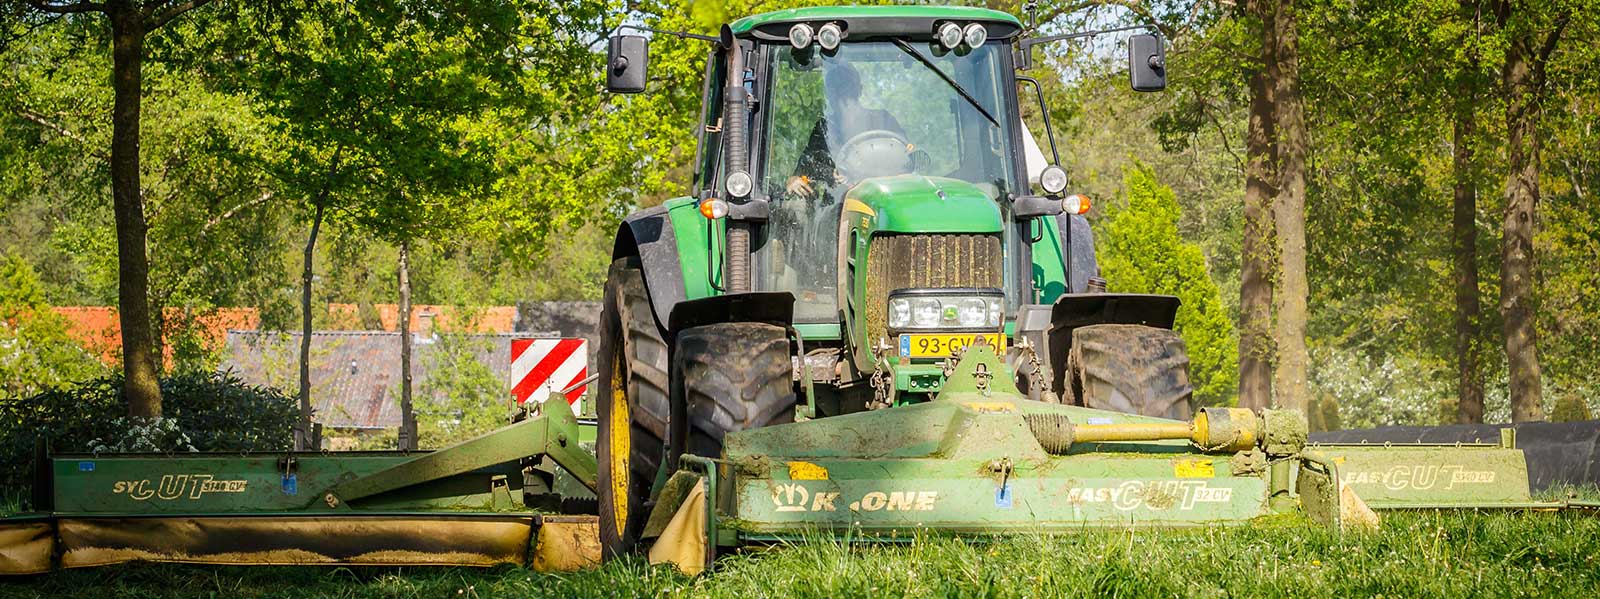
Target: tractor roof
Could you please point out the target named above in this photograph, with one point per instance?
(877, 20)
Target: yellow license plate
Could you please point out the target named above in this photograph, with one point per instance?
(944, 345)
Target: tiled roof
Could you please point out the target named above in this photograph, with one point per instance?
(480, 319)
(355, 375)
(98, 330)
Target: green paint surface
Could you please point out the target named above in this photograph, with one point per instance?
(699, 247)
(922, 204)
(232, 484)
(1049, 261)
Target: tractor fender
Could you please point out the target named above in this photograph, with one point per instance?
(648, 235)
(770, 307)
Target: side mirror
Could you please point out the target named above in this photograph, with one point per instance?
(627, 59)
(1147, 63)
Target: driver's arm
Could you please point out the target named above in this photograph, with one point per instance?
(815, 163)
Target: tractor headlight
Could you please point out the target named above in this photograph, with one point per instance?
(925, 312)
(899, 314)
(829, 36)
(800, 36)
(956, 309)
(975, 35)
(739, 184)
(973, 312)
(950, 35)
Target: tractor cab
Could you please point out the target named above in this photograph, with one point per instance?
(897, 123)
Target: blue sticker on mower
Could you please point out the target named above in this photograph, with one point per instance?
(85, 466)
(905, 346)
(290, 485)
(1002, 497)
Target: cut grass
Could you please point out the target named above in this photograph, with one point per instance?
(1425, 554)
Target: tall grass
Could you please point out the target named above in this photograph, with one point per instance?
(1443, 554)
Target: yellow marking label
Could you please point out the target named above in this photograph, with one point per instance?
(807, 471)
(1194, 468)
(854, 205)
(989, 407)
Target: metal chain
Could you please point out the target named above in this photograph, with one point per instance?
(882, 385)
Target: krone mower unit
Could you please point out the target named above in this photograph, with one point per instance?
(981, 458)
(505, 497)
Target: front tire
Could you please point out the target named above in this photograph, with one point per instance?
(732, 377)
(1133, 369)
(632, 407)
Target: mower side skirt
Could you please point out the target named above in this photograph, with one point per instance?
(1416, 476)
(549, 543)
(27, 545)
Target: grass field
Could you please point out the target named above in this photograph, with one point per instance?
(1414, 555)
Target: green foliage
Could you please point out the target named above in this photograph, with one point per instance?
(1570, 408)
(1141, 251)
(461, 398)
(212, 412)
(214, 230)
(36, 351)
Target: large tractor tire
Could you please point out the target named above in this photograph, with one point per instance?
(632, 406)
(732, 377)
(1132, 369)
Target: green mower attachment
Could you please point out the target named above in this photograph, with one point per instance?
(499, 498)
(981, 459)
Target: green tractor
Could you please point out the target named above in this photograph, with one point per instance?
(864, 325)
(867, 204)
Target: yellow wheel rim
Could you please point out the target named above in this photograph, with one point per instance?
(621, 444)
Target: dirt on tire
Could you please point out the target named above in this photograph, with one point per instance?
(732, 377)
(1133, 369)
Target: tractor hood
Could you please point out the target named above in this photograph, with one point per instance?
(922, 204)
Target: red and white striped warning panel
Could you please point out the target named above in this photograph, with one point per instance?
(541, 367)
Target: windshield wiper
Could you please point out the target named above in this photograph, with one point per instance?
(905, 47)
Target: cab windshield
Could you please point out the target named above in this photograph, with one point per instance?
(865, 110)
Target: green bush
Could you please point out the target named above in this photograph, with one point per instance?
(1141, 251)
(214, 411)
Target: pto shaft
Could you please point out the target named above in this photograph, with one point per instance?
(1213, 429)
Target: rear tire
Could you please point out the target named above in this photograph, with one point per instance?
(1132, 369)
(732, 377)
(632, 405)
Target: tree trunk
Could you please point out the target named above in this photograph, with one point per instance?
(408, 420)
(141, 384)
(1464, 234)
(1256, 260)
(1522, 91)
(305, 437)
(1289, 214)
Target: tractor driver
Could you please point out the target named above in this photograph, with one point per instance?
(849, 141)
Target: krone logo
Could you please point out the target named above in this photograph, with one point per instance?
(790, 497)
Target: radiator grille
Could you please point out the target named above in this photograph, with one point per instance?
(927, 262)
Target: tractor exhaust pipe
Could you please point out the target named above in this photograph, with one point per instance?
(734, 122)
